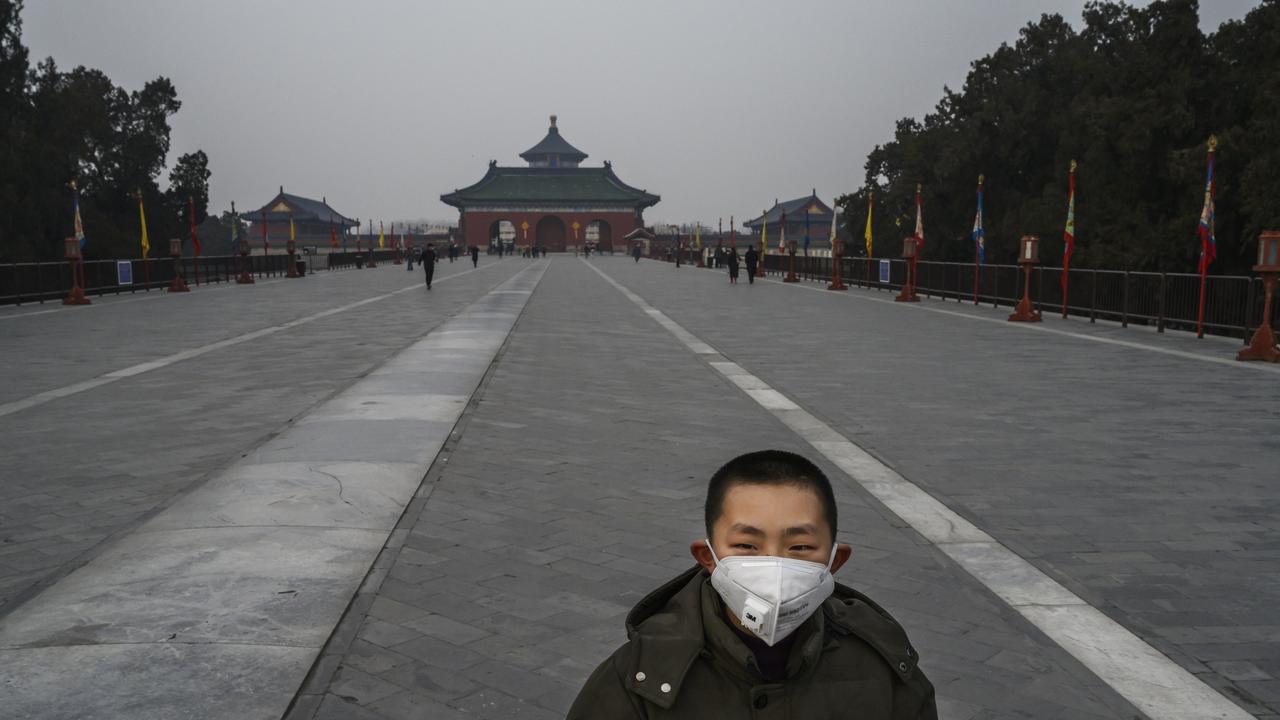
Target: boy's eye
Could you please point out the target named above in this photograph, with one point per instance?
(744, 546)
(801, 548)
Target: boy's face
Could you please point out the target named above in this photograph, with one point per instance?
(778, 520)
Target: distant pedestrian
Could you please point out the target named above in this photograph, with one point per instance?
(731, 257)
(408, 259)
(453, 251)
(475, 256)
(636, 252)
(752, 260)
(428, 260)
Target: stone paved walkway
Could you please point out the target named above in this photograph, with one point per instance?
(1142, 481)
(83, 469)
(575, 487)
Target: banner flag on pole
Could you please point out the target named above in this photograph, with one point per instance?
(833, 229)
(866, 234)
(291, 235)
(382, 240)
(333, 235)
(979, 238)
(919, 219)
(782, 233)
(266, 244)
(142, 216)
(1069, 232)
(764, 232)
(76, 222)
(1208, 243)
(235, 222)
(806, 232)
(697, 236)
(195, 239)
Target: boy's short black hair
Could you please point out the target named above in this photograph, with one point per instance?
(769, 467)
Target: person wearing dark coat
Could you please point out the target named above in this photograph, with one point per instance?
(428, 259)
(636, 252)
(731, 259)
(475, 256)
(752, 260)
(758, 627)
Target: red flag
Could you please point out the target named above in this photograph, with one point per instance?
(919, 219)
(195, 240)
(333, 235)
(1069, 232)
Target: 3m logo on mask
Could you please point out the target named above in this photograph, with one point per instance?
(771, 596)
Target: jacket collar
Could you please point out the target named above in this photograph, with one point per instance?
(680, 622)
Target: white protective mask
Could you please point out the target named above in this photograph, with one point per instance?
(772, 596)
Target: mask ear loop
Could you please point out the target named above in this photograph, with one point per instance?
(713, 552)
(831, 560)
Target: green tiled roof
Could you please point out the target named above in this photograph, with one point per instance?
(550, 185)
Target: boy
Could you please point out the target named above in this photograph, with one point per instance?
(758, 628)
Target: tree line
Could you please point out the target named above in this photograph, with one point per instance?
(57, 126)
(1133, 96)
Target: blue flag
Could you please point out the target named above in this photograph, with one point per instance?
(979, 242)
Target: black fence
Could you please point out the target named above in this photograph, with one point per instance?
(1233, 303)
(39, 282)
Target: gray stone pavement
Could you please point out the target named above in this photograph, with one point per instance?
(84, 469)
(1143, 482)
(574, 486)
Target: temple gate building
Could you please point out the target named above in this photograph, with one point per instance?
(311, 220)
(803, 215)
(553, 202)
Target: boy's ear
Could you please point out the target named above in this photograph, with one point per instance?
(843, 553)
(700, 552)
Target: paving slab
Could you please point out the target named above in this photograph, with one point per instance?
(89, 467)
(575, 487)
(1131, 467)
(213, 569)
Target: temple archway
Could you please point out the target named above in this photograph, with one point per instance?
(550, 233)
(601, 233)
(502, 231)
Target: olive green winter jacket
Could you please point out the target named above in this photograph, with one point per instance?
(681, 660)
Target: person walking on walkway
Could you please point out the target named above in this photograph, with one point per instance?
(731, 258)
(428, 260)
(753, 260)
(759, 621)
(475, 256)
(636, 252)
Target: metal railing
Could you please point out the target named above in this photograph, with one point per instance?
(39, 282)
(1233, 303)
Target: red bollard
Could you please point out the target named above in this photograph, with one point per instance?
(910, 245)
(76, 296)
(175, 251)
(1262, 346)
(1029, 257)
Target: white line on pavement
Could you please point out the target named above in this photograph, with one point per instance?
(49, 395)
(1141, 674)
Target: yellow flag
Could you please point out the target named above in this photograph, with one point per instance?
(697, 236)
(764, 234)
(290, 226)
(146, 244)
(867, 234)
(382, 241)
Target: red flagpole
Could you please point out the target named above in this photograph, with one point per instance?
(1204, 241)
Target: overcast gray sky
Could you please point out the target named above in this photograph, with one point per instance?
(382, 105)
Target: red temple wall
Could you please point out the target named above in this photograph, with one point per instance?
(475, 227)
